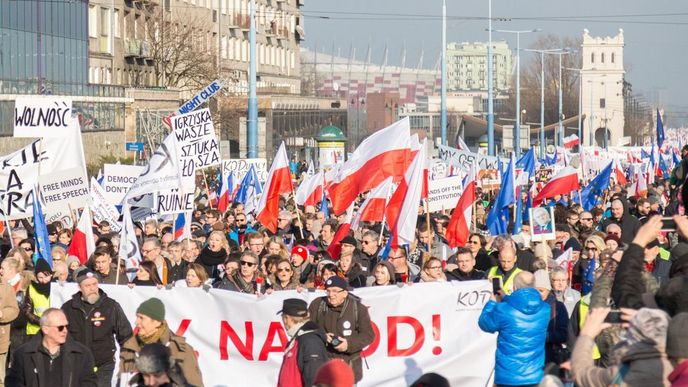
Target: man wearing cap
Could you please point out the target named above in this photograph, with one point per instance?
(152, 328)
(346, 321)
(306, 351)
(95, 320)
(52, 358)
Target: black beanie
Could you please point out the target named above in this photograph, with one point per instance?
(42, 266)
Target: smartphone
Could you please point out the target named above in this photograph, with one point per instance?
(496, 285)
(335, 341)
(614, 317)
(668, 224)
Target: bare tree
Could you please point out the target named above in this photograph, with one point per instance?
(181, 49)
(531, 81)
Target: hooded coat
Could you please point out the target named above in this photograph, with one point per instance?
(521, 320)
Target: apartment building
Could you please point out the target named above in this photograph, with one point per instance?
(467, 66)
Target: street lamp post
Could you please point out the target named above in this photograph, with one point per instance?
(542, 93)
(517, 126)
(580, 106)
(490, 105)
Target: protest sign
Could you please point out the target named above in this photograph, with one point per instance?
(102, 209)
(161, 172)
(173, 201)
(195, 141)
(117, 179)
(67, 188)
(242, 335)
(19, 171)
(542, 220)
(240, 167)
(465, 159)
(443, 194)
(59, 214)
(42, 116)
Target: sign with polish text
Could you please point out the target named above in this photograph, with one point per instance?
(42, 116)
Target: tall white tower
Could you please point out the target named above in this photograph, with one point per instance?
(602, 78)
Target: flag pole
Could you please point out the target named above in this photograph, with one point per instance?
(298, 215)
(119, 267)
(207, 191)
(384, 213)
(9, 229)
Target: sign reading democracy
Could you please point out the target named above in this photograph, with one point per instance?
(239, 337)
(41, 116)
(117, 179)
(465, 159)
(173, 201)
(240, 167)
(67, 188)
(443, 194)
(196, 143)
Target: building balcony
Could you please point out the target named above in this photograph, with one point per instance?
(132, 48)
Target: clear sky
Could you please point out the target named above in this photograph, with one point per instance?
(655, 33)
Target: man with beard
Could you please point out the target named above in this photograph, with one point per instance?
(94, 321)
(241, 229)
(305, 352)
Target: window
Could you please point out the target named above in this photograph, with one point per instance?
(612, 57)
(104, 22)
(603, 103)
(592, 58)
(92, 22)
(602, 58)
(116, 31)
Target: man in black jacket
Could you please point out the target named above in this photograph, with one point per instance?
(51, 358)
(306, 351)
(466, 270)
(628, 223)
(93, 320)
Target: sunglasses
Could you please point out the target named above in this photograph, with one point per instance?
(60, 328)
(366, 242)
(284, 270)
(246, 263)
(591, 248)
(474, 242)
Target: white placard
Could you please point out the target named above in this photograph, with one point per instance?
(443, 194)
(196, 143)
(59, 214)
(240, 167)
(117, 179)
(542, 224)
(173, 201)
(67, 188)
(465, 159)
(241, 335)
(42, 116)
(102, 209)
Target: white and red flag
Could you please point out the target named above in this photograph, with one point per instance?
(83, 244)
(310, 191)
(373, 207)
(383, 154)
(571, 141)
(277, 183)
(402, 209)
(342, 232)
(561, 184)
(459, 227)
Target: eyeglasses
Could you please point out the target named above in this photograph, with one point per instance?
(284, 270)
(591, 248)
(148, 251)
(474, 242)
(434, 267)
(240, 220)
(614, 233)
(247, 263)
(60, 328)
(365, 242)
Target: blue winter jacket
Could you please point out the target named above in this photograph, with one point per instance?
(521, 320)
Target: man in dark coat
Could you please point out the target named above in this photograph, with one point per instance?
(346, 321)
(306, 351)
(51, 358)
(628, 223)
(95, 320)
(465, 270)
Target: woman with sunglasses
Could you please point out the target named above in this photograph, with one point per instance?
(476, 243)
(247, 279)
(583, 269)
(283, 278)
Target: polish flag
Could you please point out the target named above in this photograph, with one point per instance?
(571, 141)
(182, 226)
(641, 185)
(277, 183)
(402, 209)
(335, 248)
(383, 154)
(83, 244)
(310, 190)
(620, 175)
(373, 207)
(562, 183)
(459, 227)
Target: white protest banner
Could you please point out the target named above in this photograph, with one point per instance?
(161, 173)
(102, 209)
(19, 171)
(196, 143)
(67, 188)
(239, 337)
(117, 179)
(59, 214)
(443, 194)
(464, 159)
(240, 167)
(42, 116)
(173, 201)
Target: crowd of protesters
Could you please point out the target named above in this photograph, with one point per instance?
(615, 313)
